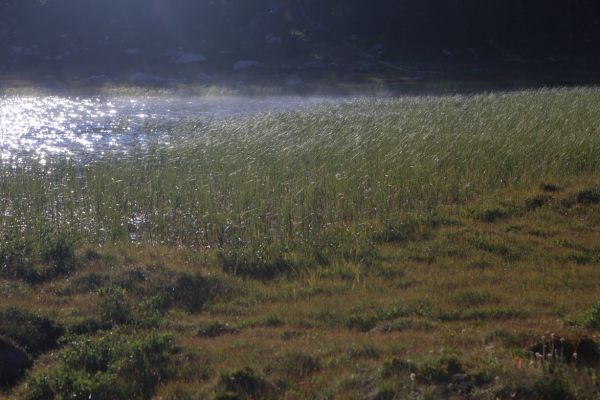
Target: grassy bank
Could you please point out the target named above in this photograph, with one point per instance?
(423, 247)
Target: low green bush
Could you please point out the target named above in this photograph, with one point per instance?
(244, 384)
(298, 365)
(111, 367)
(257, 260)
(440, 369)
(36, 261)
(551, 387)
(590, 317)
(216, 328)
(114, 308)
(192, 292)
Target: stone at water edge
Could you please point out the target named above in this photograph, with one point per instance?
(13, 363)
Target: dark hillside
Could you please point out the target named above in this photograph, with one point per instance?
(390, 40)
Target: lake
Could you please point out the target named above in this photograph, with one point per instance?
(43, 128)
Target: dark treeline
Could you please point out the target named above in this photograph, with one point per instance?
(232, 24)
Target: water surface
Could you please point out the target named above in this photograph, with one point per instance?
(43, 128)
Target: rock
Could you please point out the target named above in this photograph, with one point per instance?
(244, 65)
(13, 363)
(294, 80)
(142, 78)
(189, 58)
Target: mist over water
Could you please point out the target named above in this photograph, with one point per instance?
(43, 128)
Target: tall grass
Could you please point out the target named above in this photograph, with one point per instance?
(339, 170)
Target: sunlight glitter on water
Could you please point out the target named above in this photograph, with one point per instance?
(45, 127)
(49, 127)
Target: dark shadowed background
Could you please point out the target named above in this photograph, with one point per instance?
(555, 41)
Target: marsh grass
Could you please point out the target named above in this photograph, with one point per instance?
(271, 188)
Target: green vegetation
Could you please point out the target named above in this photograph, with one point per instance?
(108, 368)
(34, 333)
(437, 247)
(272, 191)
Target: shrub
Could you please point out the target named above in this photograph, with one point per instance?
(298, 365)
(215, 329)
(111, 367)
(150, 311)
(89, 282)
(492, 214)
(472, 298)
(114, 309)
(544, 388)
(398, 366)
(338, 244)
(536, 202)
(590, 318)
(192, 292)
(243, 384)
(440, 370)
(33, 332)
(590, 196)
(17, 258)
(259, 261)
(37, 261)
(58, 253)
(397, 231)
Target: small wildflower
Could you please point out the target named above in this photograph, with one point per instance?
(413, 376)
